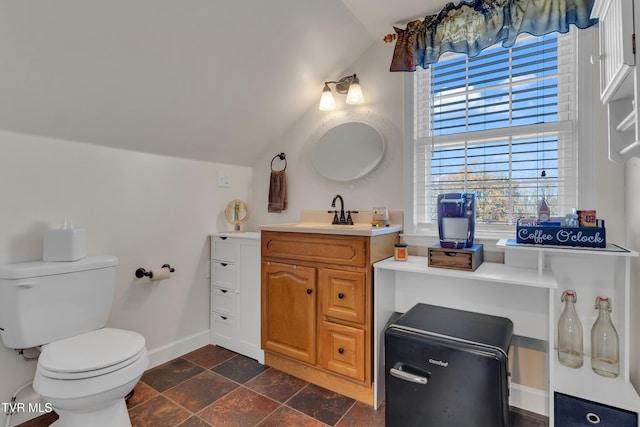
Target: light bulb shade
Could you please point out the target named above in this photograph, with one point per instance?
(327, 103)
(355, 95)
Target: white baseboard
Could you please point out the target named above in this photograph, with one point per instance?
(170, 351)
(528, 398)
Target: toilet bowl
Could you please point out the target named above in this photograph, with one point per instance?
(86, 377)
(85, 369)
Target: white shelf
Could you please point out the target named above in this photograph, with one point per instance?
(399, 285)
(628, 123)
(487, 271)
(585, 383)
(610, 250)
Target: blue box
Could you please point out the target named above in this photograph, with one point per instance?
(586, 237)
(570, 411)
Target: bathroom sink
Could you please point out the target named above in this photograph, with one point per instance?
(330, 226)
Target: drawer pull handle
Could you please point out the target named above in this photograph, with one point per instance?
(224, 264)
(404, 375)
(340, 295)
(223, 237)
(223, 317)
(341, 350)
(593, 418)
(309, 291)
(224, 291)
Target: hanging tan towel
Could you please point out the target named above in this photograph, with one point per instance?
(277, 192)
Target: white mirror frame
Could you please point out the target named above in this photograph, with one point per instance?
(348, 151)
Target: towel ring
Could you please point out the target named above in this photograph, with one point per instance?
(281, 156)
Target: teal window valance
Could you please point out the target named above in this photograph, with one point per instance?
(470, 27)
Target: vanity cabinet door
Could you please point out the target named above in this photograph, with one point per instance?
(343, 294)
(289, 310)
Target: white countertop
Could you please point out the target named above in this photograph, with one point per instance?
(324, 228)
(253, 235)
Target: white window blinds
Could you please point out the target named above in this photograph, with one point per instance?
(500, 124)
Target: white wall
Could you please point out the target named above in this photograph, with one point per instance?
(307, 190)
(632, 211)
(145, 209)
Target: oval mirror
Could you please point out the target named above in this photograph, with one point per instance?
(237, 212)
(348, 151)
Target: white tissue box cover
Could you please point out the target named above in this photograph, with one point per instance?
(65, 244)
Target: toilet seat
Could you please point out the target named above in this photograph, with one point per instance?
(91, 354)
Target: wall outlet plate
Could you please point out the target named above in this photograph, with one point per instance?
(224, 179)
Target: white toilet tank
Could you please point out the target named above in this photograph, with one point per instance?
(41, 302)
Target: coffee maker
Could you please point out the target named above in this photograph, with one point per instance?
(456, 219)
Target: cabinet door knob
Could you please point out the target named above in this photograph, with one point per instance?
(341, 350)
(340, 295)
(309, 291)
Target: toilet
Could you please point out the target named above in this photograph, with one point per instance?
(85, 369)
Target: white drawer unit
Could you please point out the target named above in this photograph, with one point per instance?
(235, 293)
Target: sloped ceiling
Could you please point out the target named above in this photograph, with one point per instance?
(216, 80)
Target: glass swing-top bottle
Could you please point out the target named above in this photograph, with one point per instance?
(605, 358)
(570, 347)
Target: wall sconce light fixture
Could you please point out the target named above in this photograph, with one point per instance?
(349, 85)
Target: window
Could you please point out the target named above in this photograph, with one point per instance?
(500, 124)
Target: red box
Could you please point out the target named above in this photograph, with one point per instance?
(587, 218)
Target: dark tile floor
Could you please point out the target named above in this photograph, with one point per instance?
(215, 387)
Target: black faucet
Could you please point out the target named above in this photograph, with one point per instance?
(342, 220)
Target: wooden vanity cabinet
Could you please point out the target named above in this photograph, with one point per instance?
(317, 307)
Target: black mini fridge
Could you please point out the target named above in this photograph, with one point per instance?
(447, 368)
